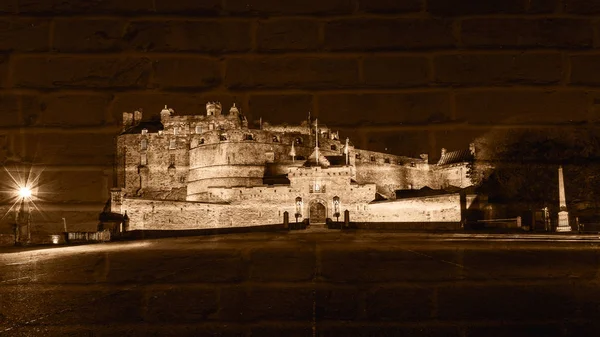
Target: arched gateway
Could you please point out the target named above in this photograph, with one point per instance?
(317, 212)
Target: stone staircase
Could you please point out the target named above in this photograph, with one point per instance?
(317, 227)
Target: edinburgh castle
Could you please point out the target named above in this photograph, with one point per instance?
(214, 170)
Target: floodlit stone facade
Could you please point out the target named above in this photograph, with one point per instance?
(214, 171)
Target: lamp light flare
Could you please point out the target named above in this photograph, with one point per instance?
(24, 192)
(22, 188)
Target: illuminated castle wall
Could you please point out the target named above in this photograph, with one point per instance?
(213, 170)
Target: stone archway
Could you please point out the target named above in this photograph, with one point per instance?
(317, 212)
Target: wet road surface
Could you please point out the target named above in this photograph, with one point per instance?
(301, 284)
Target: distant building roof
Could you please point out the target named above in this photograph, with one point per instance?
(455, 157)
(428, 191)
(380, 197)
(312, 160)
(336, 160)
(151, 126)
(423, 192)
(276, 180)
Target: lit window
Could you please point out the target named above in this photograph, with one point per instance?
(144, 144)
(317, 188)
(198, 129)
(175, 130)
(144, 131)
(143, 159)
(211, 126)
(172, 144)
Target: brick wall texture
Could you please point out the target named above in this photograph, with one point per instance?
(411, 76)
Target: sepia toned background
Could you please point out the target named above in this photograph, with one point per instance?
(406, 77)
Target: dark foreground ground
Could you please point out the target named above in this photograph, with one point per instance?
(303, 284)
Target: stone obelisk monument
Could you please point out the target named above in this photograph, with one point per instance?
(563, 214)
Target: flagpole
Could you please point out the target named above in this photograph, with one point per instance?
(309, 130)
(317, 139)
(347, 151)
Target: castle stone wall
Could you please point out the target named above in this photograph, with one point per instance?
(443, 208)
(236, 153)
(158, 174)
(173, 215)
(455, 175)
(197, 190)
(387, 177)
(391, 177)
(259, 195)
(186, 124)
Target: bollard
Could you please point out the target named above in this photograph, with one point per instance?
(346, 219)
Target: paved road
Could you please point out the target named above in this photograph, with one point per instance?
(298, 284)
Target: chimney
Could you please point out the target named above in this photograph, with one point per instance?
(137, 117)
(443, 152)
(127, 120)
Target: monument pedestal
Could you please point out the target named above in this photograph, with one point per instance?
(563, 222)
(563, 215)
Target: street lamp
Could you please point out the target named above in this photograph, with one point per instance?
(24, 194)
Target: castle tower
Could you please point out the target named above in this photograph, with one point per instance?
(233, 111)
(563, 214)
(127, 120)
(165, 114)
(137, 117)
(218, 109)
(211, 109)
